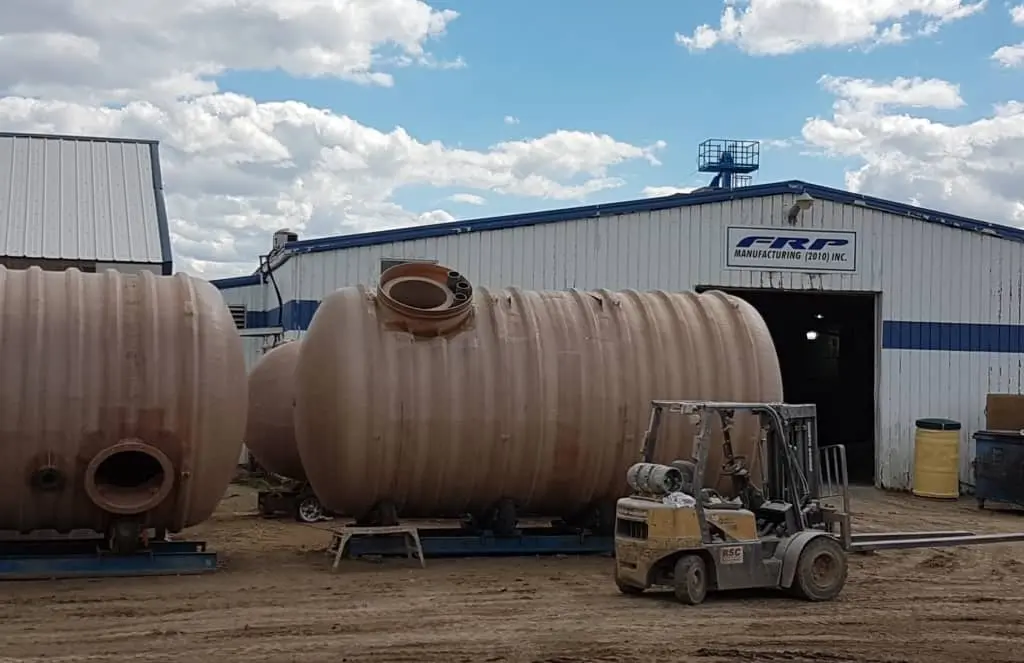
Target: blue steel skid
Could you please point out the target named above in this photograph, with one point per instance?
(458, 542)
(89, 558)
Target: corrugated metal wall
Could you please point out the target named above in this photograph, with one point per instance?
(927, 273)
(79, 199)
(253, 298)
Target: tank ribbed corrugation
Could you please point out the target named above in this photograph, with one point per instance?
(120, 396)
(541, 397)
(270, 432)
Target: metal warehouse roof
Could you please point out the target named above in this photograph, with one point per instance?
(704, 197)
(82, 198)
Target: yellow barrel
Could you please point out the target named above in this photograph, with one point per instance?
(937, 458)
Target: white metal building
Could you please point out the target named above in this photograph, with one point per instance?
(90, 203)
(935, 299)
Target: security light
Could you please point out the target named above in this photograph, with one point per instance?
(803, 203)
(812, 335)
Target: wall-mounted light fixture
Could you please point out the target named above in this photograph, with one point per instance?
(803, 203)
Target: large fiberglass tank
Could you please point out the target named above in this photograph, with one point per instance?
(270, 432)
(122, 400)
(435, 398)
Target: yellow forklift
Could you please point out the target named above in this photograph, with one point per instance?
(787, 529)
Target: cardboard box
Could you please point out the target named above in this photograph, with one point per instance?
(1004, 412)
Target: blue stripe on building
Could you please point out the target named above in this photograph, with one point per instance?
(293, 316)
(952, 336)
(896, 334)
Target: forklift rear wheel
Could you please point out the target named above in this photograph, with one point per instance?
(628, 590)
(821, 570)
(691, 580)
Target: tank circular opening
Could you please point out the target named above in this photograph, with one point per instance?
(129, 479)
(129, 470)
(418, 293)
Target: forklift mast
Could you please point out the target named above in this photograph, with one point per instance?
(821, 469)
(794, 468)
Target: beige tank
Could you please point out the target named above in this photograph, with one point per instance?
(441, 399)
(122, 397)
(270, 432)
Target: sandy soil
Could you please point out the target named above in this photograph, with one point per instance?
(276, 600)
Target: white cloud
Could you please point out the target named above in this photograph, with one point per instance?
(235, 169)
(659, 191)
(778, 27)
(973, 168)
(865, 95)
(130, 49)
(777, 143)
(468, 199)
(1010, 56)
(511, 119)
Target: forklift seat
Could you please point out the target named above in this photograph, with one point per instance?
(710, 499)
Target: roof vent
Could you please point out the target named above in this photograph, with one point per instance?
(238, 315)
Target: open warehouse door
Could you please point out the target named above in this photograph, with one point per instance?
(827, 347)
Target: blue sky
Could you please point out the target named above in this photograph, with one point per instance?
(596, 66)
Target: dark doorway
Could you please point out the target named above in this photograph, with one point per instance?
(826, 348)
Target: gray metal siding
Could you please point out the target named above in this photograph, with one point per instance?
(680, 248)
(81, 199)
(252, 297)
(926, 273)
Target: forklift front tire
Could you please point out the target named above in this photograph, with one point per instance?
(821, 570)
(691, 580)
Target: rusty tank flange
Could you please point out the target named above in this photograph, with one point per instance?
(424, 299)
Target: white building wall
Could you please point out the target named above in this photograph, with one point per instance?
(927, 273)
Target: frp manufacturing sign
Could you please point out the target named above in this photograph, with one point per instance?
(790, 249)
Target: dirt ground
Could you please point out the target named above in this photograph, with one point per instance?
(275, 600)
